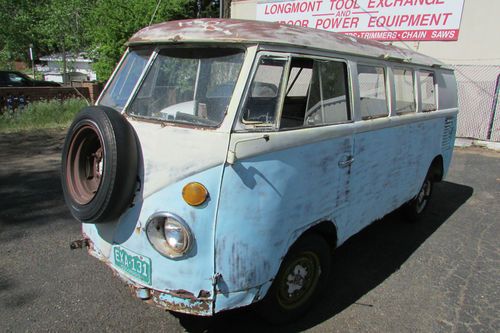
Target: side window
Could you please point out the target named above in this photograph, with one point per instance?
(428, 91)
(120, 88)
(15, 78)
(263, 99)
(404, 90)
(372, 92)
(316, 94)
(299, 79)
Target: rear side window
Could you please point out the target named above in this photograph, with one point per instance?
(404, 90)
(372, 92)
(428, 91)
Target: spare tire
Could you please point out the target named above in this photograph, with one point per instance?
(99, 165)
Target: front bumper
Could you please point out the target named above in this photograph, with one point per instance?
(173, 300)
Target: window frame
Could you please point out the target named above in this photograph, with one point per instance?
(415, 90)
(240, 125)
(436, 89)
(388, 89)
(152, 57)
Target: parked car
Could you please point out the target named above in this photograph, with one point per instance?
(225, 159)
(18, 79)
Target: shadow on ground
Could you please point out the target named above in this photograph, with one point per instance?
(30, 192)
(32, 197)
(360, 265)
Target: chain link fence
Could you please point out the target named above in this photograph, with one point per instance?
(478, 95)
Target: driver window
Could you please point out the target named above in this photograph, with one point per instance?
(263, 100)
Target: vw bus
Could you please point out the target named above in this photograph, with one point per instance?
(226, 159)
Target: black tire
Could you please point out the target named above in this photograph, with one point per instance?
(99, 165)
(283, 303)
(415, 208)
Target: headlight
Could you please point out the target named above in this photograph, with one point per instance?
(169, 234)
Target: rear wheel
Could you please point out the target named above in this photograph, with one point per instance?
(302, 276)
(416, 207)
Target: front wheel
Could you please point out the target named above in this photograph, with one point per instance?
(301, 278)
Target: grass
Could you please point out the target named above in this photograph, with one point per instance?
(41, 115)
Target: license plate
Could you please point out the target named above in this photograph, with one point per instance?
(133, 264)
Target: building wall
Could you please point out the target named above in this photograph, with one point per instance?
(478, 43)
(479, 39)
(244, 9)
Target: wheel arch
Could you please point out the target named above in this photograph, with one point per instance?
(437, 168)
(323, 232)
(326, 229)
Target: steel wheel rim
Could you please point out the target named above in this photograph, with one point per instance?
(299, 280)
(423, 196)
(85, 163)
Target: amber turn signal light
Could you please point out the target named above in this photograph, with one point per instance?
(194, 193)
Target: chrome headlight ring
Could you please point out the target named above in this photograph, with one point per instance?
(169, 234)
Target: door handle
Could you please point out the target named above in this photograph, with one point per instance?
(345, 163)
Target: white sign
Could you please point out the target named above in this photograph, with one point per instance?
(387, 20)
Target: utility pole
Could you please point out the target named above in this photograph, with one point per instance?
(64, 64)
(32, 58)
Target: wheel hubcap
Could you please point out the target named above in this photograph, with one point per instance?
(299, 280)
(423, 195)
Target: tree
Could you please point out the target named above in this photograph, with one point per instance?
(18, 29)
(51, 26)
(113, 22)
(62, 26)
(100, 26)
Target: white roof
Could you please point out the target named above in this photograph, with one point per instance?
(256, 32)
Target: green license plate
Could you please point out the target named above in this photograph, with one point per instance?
(133, 264)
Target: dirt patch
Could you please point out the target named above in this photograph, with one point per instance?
(34, 150)
(477, 150)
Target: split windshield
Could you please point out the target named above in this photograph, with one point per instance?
(185, 85)
(119, 90)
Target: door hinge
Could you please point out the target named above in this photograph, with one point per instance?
(216, 278)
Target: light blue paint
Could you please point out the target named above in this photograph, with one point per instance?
(267, 198)
(193, 272)
(237, 299)
(267, 201)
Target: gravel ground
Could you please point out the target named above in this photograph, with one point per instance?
(440, 275)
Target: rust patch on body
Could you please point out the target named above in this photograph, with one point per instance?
(252, 32)
(179, 300)
(138, 230)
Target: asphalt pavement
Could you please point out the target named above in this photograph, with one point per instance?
(439, 275)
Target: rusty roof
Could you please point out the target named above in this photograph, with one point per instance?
(256, 32)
